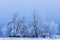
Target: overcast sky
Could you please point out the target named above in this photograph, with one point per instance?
(48, 9)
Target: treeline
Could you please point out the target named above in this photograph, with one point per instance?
(18, 27)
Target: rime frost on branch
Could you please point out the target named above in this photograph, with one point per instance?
(18, 27)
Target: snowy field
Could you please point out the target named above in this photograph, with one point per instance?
(27, 39)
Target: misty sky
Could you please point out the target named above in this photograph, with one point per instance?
(48, 9)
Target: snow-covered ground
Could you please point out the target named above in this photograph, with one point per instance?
(27, 39)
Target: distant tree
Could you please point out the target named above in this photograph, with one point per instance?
(35, 24)
(49, 29)
(24, 27)
(53, 28)
(13, 27)
(20, 28)
(45, 29)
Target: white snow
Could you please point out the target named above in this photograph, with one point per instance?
(27, 39)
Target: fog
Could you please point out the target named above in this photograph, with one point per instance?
(49, 10)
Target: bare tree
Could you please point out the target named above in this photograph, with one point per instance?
(35, 23)
(24, 27)
(49, 29)
(45, 29)
(13, 27)
(53, 28)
